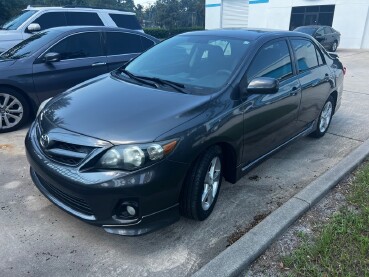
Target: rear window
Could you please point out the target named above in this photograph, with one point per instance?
(306, 30)
(146, 43)
(123, 43)
(126, 21)
(83, 19)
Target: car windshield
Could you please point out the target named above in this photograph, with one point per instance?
(18, 20)
(201, 64)
(306, 30)
(27, 47)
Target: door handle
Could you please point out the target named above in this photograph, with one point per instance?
(98, 63)
(295, 91)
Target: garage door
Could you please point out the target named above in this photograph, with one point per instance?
(235, 13)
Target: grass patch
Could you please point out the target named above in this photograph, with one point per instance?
(342, 246)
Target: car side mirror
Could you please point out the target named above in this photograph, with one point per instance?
(263, 85)
(34, 27)
(52, 57)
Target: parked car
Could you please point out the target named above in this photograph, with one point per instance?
(133, 149)
(34, 19)
(55, 60)
(326, 35)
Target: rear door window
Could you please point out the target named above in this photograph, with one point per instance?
(118, 43)
(83, 19)
(327, 30)
(273, 60)
(146, 43)
(51, 20)
(126, 21)
(306, 54)
(79, 46)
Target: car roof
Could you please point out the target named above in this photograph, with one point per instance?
(312, 26)
(245, 33)
(76, 9)
(76, 29)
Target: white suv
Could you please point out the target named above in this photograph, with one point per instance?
(34, 19)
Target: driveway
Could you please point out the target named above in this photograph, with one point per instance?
(39, 239)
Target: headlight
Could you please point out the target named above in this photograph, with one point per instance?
(132, 157)
(42, 106)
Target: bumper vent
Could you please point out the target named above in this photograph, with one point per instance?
(73, 202)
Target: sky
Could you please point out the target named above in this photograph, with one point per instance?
(144, 2)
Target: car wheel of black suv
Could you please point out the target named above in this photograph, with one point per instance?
(325, 118)
(202, 184)
(334, 46)
(14, 110)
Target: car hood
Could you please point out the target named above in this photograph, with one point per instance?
(120, 112)
(10, 35)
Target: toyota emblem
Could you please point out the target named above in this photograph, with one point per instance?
(44, 140)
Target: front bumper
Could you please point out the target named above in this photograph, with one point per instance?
(94, 196)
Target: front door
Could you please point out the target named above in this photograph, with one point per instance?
(82, 58)
(270, 119)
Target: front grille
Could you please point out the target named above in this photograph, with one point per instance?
(64, 152)
(73, 202)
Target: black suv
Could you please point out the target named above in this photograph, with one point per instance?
(327, 36)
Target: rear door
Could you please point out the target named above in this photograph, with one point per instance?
(315, 77)
(123, 46)
(329, 36)
(270, 119)
(82, 58)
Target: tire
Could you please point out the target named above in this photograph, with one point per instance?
(194, 203)
(325, 118)
(334, 46)
(14, 110)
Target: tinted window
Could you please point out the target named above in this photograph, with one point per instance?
(126, 21)
(79, 46)
(123, 43)
(146, 43)
(320, 32)
(83, 19)
(306, 30)
(305, 54)
(327, 30)
(273, 60)
(51, 20)
(18, 20)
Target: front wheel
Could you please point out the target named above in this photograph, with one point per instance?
(14, 110)
(325, 118)
(201, 187)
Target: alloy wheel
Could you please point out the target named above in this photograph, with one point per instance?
(211, 184)
(11, 111)
(325, 117)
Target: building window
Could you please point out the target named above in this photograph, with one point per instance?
(312, 15)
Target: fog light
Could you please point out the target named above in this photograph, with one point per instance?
(131, 210)
(127, 210)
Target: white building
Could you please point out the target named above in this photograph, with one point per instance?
(349, 17)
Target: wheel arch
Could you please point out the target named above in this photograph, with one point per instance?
(32, 104)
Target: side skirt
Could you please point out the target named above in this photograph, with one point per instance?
(242, 170)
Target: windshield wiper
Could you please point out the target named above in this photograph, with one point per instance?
(137, 78)
(177, 86)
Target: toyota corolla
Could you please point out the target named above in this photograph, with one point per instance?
(134, 149)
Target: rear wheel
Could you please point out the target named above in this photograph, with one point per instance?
(14, 110)
(201, 187)
(325, 118)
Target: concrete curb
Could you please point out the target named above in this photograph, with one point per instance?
(239, 256)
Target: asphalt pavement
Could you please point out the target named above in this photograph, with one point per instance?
(39, 239)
